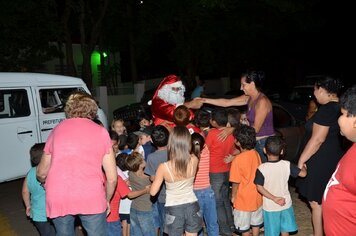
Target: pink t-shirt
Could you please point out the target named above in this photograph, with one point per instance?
(75, 181)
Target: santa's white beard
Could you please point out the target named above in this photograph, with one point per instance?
(171, 97)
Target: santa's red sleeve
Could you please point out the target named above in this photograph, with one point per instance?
(162, 110)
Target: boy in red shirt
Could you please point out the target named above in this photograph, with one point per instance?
(219, 169)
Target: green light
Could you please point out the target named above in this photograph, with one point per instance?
(104, 54)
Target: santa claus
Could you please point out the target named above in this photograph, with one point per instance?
(170, 94)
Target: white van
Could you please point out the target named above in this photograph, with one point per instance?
(31, 105)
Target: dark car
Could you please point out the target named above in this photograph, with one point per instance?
(291, 129)
(297, 101)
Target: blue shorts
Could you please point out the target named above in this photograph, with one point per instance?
(276, 222)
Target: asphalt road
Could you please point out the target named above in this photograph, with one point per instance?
(13, 220)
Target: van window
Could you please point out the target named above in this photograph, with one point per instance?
(53, 100)
(14, 103)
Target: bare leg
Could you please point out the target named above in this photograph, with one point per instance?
(246, 233)
(125, 228)
(255, 231)
(284, 233)
(317, 218)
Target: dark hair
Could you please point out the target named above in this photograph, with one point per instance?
(330, 84)
(202, 118)
(197, 144)
(348, 101)
(160, 135)
(233, 117)
(133, 161)
(181, 115)
(121, 161)
(142, 116)
(113, 135)
(258, 77)
(122, 140)
(246, 136)
(219, 115)
(274, 145)
(36, 152)
(132, 140)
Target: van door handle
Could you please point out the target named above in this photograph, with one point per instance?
(46, 129)
(25, 132)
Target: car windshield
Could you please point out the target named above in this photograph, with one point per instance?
(301, 95)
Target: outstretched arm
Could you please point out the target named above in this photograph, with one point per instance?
(222, 102)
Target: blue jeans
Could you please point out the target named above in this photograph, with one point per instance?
(141, 223)
(221, 187)
(206, 200)
(94, 225)
(260, 144)
(114, 228)
(45, 228)
(161, 214)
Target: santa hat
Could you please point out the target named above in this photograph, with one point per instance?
(172, 80)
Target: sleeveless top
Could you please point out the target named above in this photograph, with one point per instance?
(179, 192)
(267, 125)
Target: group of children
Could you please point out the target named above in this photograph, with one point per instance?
(175, 178)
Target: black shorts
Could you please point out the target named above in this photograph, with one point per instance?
(183, 218)
(125, 217)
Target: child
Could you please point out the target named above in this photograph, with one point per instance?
(339, 200)
(181, 116)
(202, 187)
(118, 125)
(141, 215)
(233, 117)
(160, 135)
(113, 219)
(145, 140)
(144, 120)
(125, 204)
(202, 120)
(33, 195)
(219, 169)
(115, 141)
(247, 201)
(272, 182)
(182, 208)
(243, 117)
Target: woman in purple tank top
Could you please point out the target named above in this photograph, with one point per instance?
(259, 107)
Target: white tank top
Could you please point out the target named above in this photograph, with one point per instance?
(179, 192)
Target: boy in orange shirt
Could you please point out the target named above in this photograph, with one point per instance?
(246, 199)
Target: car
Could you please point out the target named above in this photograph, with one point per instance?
(297, 101)
(291, 129)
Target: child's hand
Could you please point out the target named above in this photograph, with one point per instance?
(229, 158)
(108, 210)
(148, 188)
(280, 201)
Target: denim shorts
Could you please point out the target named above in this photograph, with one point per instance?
(183, 218)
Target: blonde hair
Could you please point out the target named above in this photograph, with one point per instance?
(81, 105)
(113, 122)
(179, 146)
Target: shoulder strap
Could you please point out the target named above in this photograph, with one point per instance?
(169, 171)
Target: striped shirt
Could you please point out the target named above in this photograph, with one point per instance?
(202, 180)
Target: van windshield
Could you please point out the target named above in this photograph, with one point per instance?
(54, 100)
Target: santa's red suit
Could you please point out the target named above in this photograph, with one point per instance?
(165, 99)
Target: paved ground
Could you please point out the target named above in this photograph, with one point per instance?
(13, 220)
